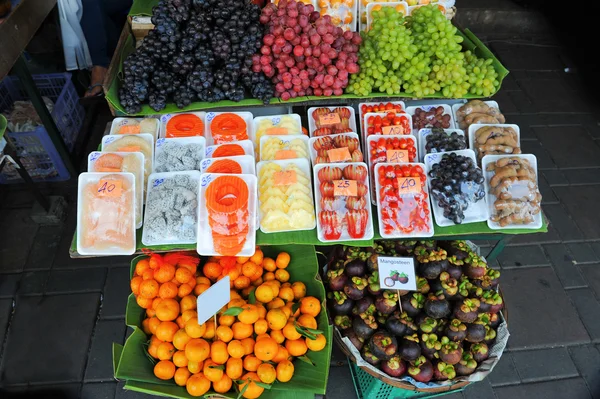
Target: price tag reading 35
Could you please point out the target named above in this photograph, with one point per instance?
(284, 178)
(409, 185)
(397, 156)
(109, 188)
(348, 188)
(329, 119)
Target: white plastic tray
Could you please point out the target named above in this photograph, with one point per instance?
(370, 6)
(304, 166)
(169, 203)
(110, 143)
(422, 139)
(246, 163)
(165, 118)
(455, 108)
(101, 219)
(198, 142)
(340, 206)
(312, 126)
(380, 206)
(474, 127)
(205, 245)
(476, 212)
(447, 110)
(354, 10)
(366, 117)
(290, 123)
(246, 116)
(247, 146)
(361, 114)
(138, 172)
(118, 122)
(284, 143)
(537, 219)
(313, 151)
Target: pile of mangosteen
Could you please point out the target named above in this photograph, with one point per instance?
(441, 331)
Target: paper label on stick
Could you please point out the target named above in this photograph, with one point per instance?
(109, 188)
(285, 154)
(284, 178)
(329, 119)
(392, 130)
(348, 188)
(397, 156)
(213, 299)
(409, 185)
(339, 155)
(397, 273)
(276, 131)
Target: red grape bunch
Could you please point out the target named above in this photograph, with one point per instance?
(303, 53)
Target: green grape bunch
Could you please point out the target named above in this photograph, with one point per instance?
(419, 55)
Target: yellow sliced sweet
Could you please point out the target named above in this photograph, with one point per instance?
(274, 203)
(297, 187)
(301, 218)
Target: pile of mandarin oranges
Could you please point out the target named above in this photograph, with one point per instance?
(268, 322)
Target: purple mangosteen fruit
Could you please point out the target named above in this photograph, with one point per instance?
(430, 345)
(431, 263)
(405, 248)
(355, 339)
(454, 268)
(467, 364)
(450, 352)
(479, 351)
(458, 249)
(383, 345)
(466, 310)
(355, 288)
(437, 306)
(423, 285)
(448, 285)
(494, 320)
(429, 245)
(342, 322)
(409, 348)
(363, 305)
(369, 356)
(443, 371)
(336, 253)
(456, 330)
(372, 264)
(412, 303)
(336, 279)
(490, 335)
(355, 268)
(474, 267)
(339, 303)
(427, 324)
(421, 369)
(364, 327)
(387, 303)
(489, 280)
(475, 332)
(394, 367)
(400, 324)
(373, 280)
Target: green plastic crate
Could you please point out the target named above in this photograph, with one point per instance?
(369, 387)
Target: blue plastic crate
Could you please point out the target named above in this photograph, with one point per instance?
(36, 150)
(369, 387)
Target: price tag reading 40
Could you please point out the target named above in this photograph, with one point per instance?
(409, 185)
(397, 156)
(393, 130)
(109, 188)
(348, 188)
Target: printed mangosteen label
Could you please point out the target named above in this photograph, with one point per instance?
(397, 273)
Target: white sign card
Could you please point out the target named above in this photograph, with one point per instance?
(397, 273)
(213, 299)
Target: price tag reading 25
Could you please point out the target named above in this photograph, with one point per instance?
(109, 188)
(347, 188)
(409, 185)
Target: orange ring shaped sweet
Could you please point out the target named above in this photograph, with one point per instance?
(224, 166)
(185, 125)
(226, 195)
(228, 150)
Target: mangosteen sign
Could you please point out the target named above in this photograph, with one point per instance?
(397, 273)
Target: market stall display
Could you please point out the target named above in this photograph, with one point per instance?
(447, 332)
(430, 116)
(477, 111)
(244, 147)
(186, 124)
(434, 140)
(364, 108)
(494, 140)
(284, 147)
(275, 125)
(323, 121)
(228, 127)
(239, 164)
(179, 154)
(344, 147)
(135, 126)
(143, 142)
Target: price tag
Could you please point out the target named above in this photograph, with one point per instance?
(285, 154)
(110, 188)
(396, 273)
(397, 156)
(339, 155)
(213, 299)
(276, 131)
(284, 178)
(393, 130)
(131, 148)
(94, 156)
(329, 119)
(409, 185)
(348, 188)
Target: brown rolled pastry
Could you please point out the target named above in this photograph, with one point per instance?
(507, 149)
(511, 171)
(470, 107)
(516, 188)
(480, 118)
(483, 134)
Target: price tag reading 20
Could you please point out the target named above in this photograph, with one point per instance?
(347, 188)
(109, 188)
(409, 185)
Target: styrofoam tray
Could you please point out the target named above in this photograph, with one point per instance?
(447, 110)
(246, 116)
(369, 232)
(109, 206)
(476, 212)
(198, 141)
(165, 118)
(380, 206)
(474, 127)
(353, 26)
(118, 122)
(455, 108)
(284, 143)
(167, 204)
(537, 219)
(205, 246)
(290, 124)
(246, 163)
(313, 151)
(361, 114)
(138, 172)
(312, 126)
(422, 139)
(304, 166)
(370, 6)
(109, 143)
(365, 134)
(246, 145)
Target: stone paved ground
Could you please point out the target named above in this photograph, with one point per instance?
(58, 316)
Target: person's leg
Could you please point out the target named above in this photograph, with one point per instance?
(93, 24)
